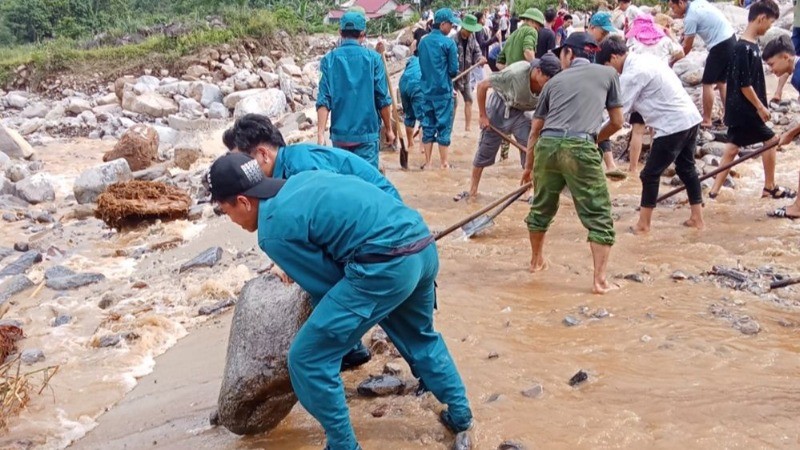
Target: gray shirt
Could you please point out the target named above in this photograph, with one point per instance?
(574, 99)
(513, 85)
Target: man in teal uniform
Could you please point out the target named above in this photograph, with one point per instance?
(438, 63)
(255, 135)
(411, 98)
(319, 225)
(352, 88)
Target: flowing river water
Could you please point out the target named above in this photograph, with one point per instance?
(664, 371)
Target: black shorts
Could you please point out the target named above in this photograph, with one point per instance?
(719, 58)
(604, 146)
(742, 136)
(636, 118)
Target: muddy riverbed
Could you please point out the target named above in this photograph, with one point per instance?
(666, 369)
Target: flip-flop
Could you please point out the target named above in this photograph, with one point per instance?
(461, 196)
(779, 192)
(781, 213)
(616, 175)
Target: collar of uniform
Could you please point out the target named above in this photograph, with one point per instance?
(279, 171)
(577, 62)
(436, 31)
(350, 42)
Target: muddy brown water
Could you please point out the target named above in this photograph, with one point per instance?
(663, 371)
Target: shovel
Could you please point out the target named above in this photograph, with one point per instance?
(518, 192)
(486, 221)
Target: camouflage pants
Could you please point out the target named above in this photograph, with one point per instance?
(577, 164)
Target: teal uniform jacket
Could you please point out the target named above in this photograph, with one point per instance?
(438, 62)
(320, 221)
(353, 78)
(409, 81)
(298, 158)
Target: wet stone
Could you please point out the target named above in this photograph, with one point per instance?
(645, 339)
(493, 355)
(22, 264)
(463, 441)
(209, 258)
(109, 299)
(601, 313)
(32, 356)
(494, 397)
(380, 386)
(213, 418)
(14, 286)
(578, 378)
(380, 410)
(393, 368)
(9, 217)
(21, 246)
(62, 279)
(5, 252)
(678, 275)
(537, 391)
(510, 445)
(638, 278)
(109, 340)
(63, 319)
(571, 321)
(217, 307)
(747, 326)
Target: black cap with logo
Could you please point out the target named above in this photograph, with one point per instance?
(239, 174)
(579, 40)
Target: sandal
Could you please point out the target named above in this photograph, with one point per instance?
(713, 195)
(781, 213)
(779, 192)
(461, 196)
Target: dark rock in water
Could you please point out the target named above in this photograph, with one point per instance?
(32, 356)
(213, 419)
(217, 307)
(256, 392)
(463, 441)
(63, 319)
(537, 391)
(571, 321)
(109, 340)
(510, 445)
(578, 378)
(493, 355)
(22, 264)
(21, 246)
(58, 272)
(74, 281)
(601, 313)
(635, 277)
(380, 386)
(208, 258)
(747, 325)
(494, 397)
(109, 299)
(380, 411)
(14, 286)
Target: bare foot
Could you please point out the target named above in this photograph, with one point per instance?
(793, 210)
(639, 229)
(693, 223)
(539, 266)
(601, 287)
(445, 166)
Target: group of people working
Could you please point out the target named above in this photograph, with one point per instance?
(333, 223)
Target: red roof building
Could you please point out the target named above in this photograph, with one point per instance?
(375, 9)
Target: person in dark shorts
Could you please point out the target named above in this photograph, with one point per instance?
(746, 111)
(649, 86)
(700, 18)
(469, 54)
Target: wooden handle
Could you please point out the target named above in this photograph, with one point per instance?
(466, 71)
(482, 211)
(784, 283)
(508, 138)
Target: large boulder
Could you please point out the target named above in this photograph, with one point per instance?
(150, 103)
(36, 189)
(17, 99)
(772, 34)
(256, 392)
(6, 186)
(35, 110)
(14, 145)
(77, 105)
(120, 83)
(138, 146)
(231, 100)
(271, 103)
(218, 111)
(206, 93)
(94, 181)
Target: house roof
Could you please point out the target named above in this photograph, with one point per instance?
(370, 6)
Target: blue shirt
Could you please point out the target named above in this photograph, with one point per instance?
(294, 159)
(438, 62)
(707, 21)
(353, 77)
(409, 82)
(796, 74)
(319, 221)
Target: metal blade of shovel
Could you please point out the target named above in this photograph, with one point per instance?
(486, 221)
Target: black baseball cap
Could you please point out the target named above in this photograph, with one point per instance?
(548, 64)
(239, 174)
(579, 40)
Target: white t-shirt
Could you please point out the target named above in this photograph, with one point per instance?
(502, 9)
(665, 49)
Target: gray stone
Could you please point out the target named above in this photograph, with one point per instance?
(713, 148)
(678, 275)
(58, 272)
(256, 392)
(218, 111)
(270, 79)
(36, 189)
(108, 99)
(231, 100)
(109, 340)
(108, 300)
(181, 123)
(209, 258)
(17, 172)
(7, 186)
(186, 156)
(88, 118)
(9, 217)
(217, 307)
(17, 100)
(21, 247)
(463, 441)
(601, 313)
(711, 160)
(190, 107)
(14, 286)
(510, 445)
(206, 93)
(149, 81)
(93, 182)
(635, 277)
(401, 51)
(150, 103)
(31, 126)
(5, 160)
(271, 103)
(772, 34)
(62, 319)
(107, 113)
(536, 391)
(5, 252)
(167, 137)
(571, 321)
(32, 356)
(380, 386)
(73, 281)
(77, 105)
(13, 144)
(35, 110)
(746, 325)
(56, 113)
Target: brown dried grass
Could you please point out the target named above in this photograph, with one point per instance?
(130, 202)
(16, 387)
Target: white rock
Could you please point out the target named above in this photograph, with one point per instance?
(148, 80)
(13, 145)
(92, 182)
(271, 103)
(17, 172)
(233, 99)
(35, 110)
(108, 99)
(190, 107)
(31, 126)
(88, 118)
(167, 137)
(56, 113)
(205, 93)
(36, 189)
(270, 79)
(106, 113)
(6, 186)
(292, 70)
(218, 111)
(401, 51)
(228, 70)
(16, 99)
(77, 105)
(152, 104)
